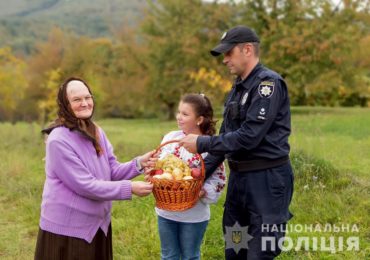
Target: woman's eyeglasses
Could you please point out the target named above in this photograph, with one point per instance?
(79, 100)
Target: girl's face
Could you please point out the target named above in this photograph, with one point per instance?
(80, 99)
(187, 120)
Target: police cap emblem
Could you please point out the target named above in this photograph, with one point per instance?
(266, 89)
(223, 35)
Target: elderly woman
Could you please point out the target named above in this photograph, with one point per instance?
(83, 176)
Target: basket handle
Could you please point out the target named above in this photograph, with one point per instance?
(203, 169)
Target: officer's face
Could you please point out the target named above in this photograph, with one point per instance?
(187, 120)
(237, 59)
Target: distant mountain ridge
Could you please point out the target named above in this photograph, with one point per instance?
(24, 22)
(24, 7)
(42, 7)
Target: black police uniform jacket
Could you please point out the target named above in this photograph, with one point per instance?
(256, 122)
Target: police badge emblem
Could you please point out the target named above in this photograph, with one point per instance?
(237, 237)
(244, 99)
(266, 89)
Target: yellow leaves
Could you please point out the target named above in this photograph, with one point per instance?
(48, 107)
(6, 56)
(365, 93)
(362, 52)
(342, 91)
(210, 78)
(12, 82)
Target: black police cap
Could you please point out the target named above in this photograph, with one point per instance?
(229, 39)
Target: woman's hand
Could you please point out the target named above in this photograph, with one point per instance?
(147, 174)
(148, 162)
(141, 188)
(149, 159)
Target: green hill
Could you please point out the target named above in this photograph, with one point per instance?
(22, 23)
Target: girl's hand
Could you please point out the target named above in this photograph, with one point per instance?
(202, 193)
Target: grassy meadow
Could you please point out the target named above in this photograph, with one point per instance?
(330, 156)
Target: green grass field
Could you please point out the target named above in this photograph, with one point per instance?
(330, 156)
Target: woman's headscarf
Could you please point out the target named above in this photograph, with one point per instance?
(67, 118)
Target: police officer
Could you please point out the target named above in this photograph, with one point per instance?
(254, 139)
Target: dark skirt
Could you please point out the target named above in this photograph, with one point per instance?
(51, 246)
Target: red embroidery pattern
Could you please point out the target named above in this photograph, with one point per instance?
(220, 187)
(177, 151)
(193, 161)
(221, 176)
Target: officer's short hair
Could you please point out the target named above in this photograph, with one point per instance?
(256, 47)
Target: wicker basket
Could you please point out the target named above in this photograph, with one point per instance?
(177, 195)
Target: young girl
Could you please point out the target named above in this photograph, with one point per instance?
(181, 233)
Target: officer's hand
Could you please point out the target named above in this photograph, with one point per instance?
(189, 142)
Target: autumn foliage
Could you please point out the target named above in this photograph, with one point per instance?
(321, 49)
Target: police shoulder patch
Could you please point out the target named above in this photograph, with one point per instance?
(262, 109)
(262, 113)
(266, 89)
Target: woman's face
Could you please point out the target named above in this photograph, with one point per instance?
(187, 120)
(80, 99)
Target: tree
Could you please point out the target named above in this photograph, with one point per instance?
(12, 84)
(44, 62)
(48, 106)
(311, 43)
(114, 72)
(178, 46)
